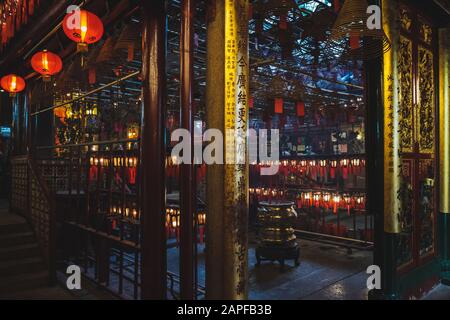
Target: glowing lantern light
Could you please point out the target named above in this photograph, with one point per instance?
(46, 63)
(83, 27)
(13, 84)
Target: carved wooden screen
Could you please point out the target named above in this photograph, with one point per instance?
(417, 104)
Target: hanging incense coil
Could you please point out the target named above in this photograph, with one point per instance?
(351, 29)
(278, 87)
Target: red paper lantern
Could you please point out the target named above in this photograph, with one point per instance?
(46, 63)
(83, 27)
(278, 105)
(13, 84)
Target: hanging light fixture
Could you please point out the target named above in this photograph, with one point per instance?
(13, 84)
(47, 64)
(351, 28)
(83, 27)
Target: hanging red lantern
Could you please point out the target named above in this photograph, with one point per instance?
(83, 27)
(13, 84)
(47, 64)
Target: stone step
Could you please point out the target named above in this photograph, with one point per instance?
(19, 252)
(48, 293)
(7, 229)
(14, 239)
(21, 282)
(18, 266)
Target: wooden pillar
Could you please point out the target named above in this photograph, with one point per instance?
(188, 183)
(392, 161)
(227, 97)
(444, 152)
(153, 245)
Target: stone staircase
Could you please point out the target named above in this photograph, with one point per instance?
(23, 273)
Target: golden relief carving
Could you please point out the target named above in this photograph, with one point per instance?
(426, 32)
(426, 118)
(405, 94)
(405, 19)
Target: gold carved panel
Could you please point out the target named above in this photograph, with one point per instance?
(426, 110)
(405, 94)
(405, 19)
(425, 32)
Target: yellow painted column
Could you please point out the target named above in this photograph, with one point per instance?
(444, 121)
(236, 168)
(392, 161)
(444, 154)
(227, 95)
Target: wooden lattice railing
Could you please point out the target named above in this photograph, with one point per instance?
(30, 198)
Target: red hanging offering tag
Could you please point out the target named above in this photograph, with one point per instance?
(300, 109)
(93, 173)
(201, 231)
(92, 76)
(337, 5)
(132, 175)
(344, 172)
(4, 34)
(283, 22)
(278, 105)
(30, 7)
(251, 103)
(113, 224)
(130, 56)
(354, 41)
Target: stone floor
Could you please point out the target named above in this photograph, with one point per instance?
(440, 292)
(325, 272)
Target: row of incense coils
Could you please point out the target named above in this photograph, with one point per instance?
(334, 201)
(318, 167)
(130, 162)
